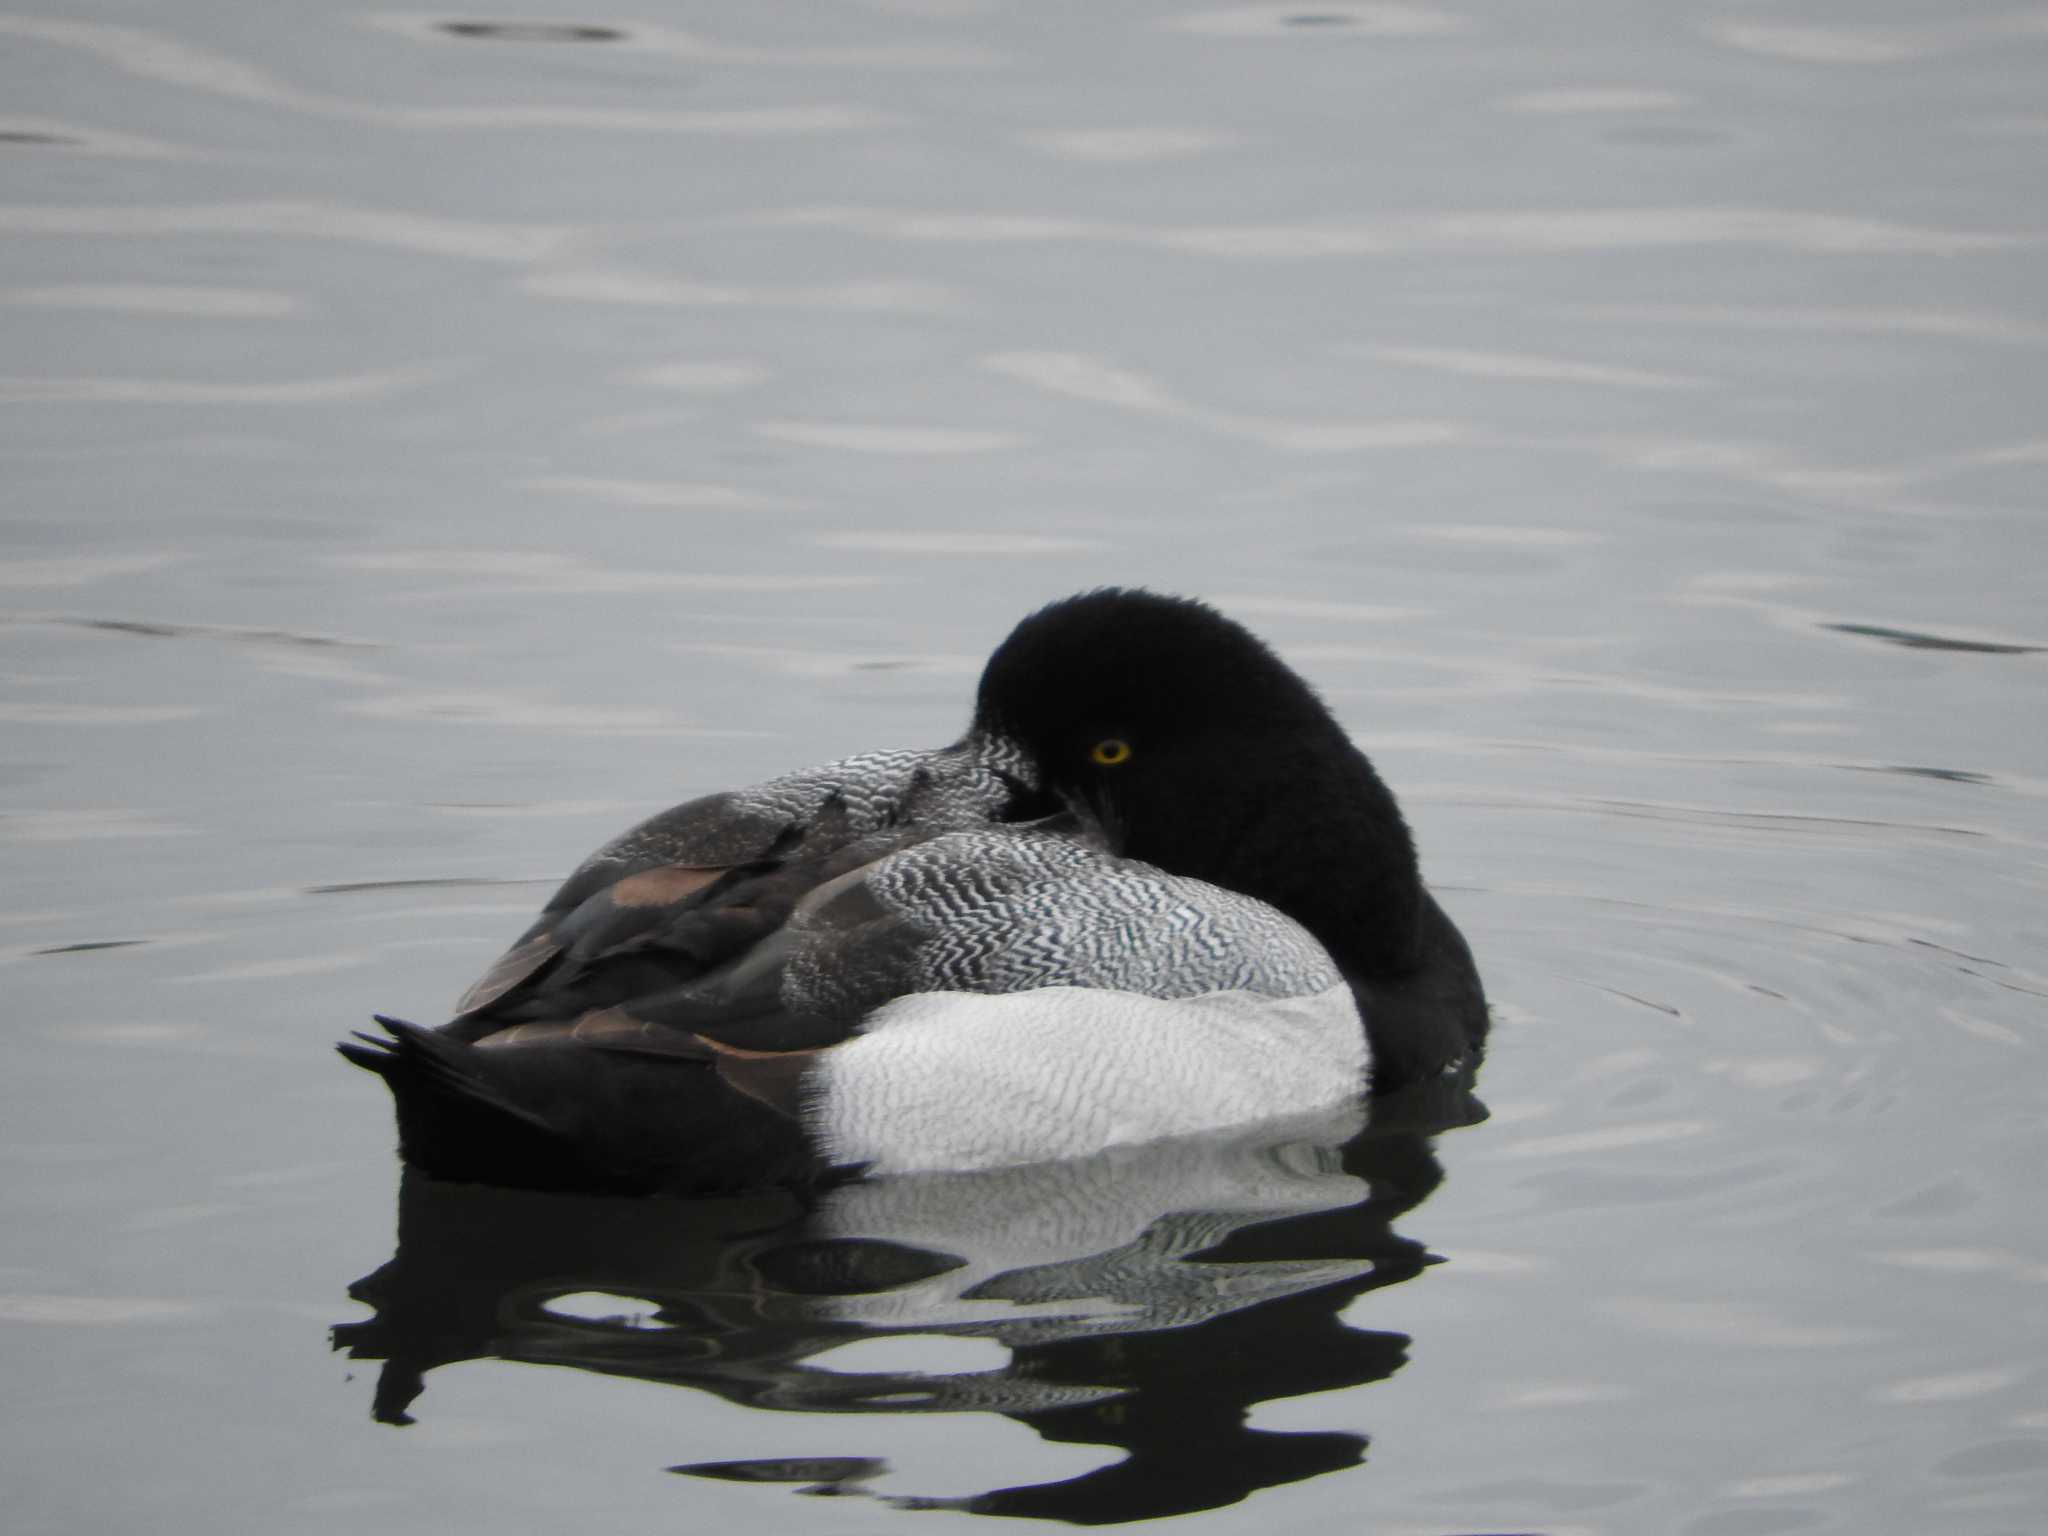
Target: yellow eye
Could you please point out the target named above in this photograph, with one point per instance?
(1109, 753)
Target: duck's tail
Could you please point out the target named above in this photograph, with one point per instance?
(458, 1118)
(568, 1118)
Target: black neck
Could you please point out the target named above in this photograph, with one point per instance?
(1320, 837)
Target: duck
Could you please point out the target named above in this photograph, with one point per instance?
(1154, 891)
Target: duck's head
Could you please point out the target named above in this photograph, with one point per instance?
(1142, 709)
(1195, 748)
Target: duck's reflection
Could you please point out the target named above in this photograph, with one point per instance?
(1148, 1298)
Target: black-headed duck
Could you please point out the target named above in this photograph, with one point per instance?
(1155, 890)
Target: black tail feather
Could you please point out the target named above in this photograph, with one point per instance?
(564, 1116)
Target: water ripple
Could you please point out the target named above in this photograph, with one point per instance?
(672, 42)
(1128, 146)
(1364, 18)
(186, 301)
(538, 571)
(1080, 376)
(166, 60)
(658, 493)
(1919, 640)
(1520, 367)
(74, 138)
(1947, 324)
(78, 570)
(1868, 46)
(93, 1311)
(1559, 231)
(423, 234)
(321, 391)
(875, 437)
(1593, 99)
(19, 712)
(618, 285)
(988, 546)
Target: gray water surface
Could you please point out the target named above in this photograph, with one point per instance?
(433, 441)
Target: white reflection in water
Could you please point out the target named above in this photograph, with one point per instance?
(1788, 1485)
(1083, 377)
(1826, 45)
(1314, 609)
(1522, 367)
(928, 542)
(1952, 324)
(520, 810)
(1873, 45)
(704, 378)
(161, 299)
(77, 570)
(1128, 146)
(753, 123)
(421, 233)
(618, 285)
(863, 437)
(1765, 1072)
(1543, 1396)
(1753, 463)
(151, 1032)
(1952, 1388)
(270, 970)
(1480, 1261)
(794, 663)
(1963, 1261)
(105, 391)
(604, 1307)
(521, 571)
(92, 1311)
(20, 713)
(1608, 1139)
(1593, 99)
(908, 1353)
(155, 56)
(79, 826)
(657, 493)
(478, 706)
(1080, 376)
(1724, 1325)
(1561, 231)
(1506, 536)
(950, 10)
(2033, 452)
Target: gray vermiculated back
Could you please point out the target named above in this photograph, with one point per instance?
(1002, 910)
(874, 789)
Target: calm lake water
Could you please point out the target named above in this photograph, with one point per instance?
(432, 442)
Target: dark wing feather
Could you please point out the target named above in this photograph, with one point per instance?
(637, 1035)
(518, 964)
(656, 866)
(687, 946)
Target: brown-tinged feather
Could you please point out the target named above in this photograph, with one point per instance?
(662, 886)
(614, 1029)
(525, 1034)
(774, 1078)
(518, 964)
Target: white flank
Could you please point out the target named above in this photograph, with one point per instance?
(952, 1081)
